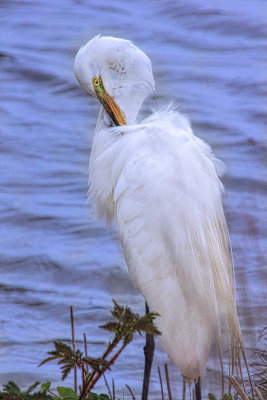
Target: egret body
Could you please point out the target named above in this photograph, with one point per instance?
(160, 183)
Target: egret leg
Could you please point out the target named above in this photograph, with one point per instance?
(149, 353)
(198, 389)
(184, 389)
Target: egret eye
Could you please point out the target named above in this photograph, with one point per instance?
(95, 81)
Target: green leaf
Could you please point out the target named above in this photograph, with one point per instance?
(111, 326)
(65, 356)
(45, 386)
(227, 397)
(67, 393)
(93, 396)
(95, 363)
(211, 396)
(12, 388)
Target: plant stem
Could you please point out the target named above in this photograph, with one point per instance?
(109, 349)
(130, 390)
(53, 394)
(107, 385)
(98, 374)
(161, 385)
(104, 368)
(85, 348)
(113, 390)
(73, 345)
(168, 381)
(238, 388)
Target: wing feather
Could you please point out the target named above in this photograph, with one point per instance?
(163, 188)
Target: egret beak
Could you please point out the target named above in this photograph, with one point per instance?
(108, 102)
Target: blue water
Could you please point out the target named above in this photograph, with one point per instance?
(209, 58)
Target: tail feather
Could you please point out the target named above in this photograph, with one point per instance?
(213, 265)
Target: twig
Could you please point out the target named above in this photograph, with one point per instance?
(130, 390)
(240, 369)
(261, 387)
(85, 349)
(221, 363)
(258, 393)
(53, 394)
(113, 390)
(73, 345)
(83, 377)
(168, 381)
(229, 373)
(161, 386)
(107, 385)
(246, 364)
(238, 388)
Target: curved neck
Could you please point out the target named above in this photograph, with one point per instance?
(129, 105)
(130, 102)
(129, 99)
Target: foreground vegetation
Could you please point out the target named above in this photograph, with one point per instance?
(123, 327)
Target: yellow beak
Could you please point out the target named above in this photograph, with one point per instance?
(108, 102)
(114, 111)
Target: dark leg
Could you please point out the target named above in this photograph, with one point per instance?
(198, 389)
(149, 353)
(184, 389)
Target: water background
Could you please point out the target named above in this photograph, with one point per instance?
(209, 58)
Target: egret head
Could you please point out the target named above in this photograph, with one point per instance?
(117, 73)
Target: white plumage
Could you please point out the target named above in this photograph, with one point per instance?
(160, 183)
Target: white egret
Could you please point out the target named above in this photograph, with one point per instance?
(160, 183)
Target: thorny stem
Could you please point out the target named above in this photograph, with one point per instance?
(95, 377)
(83, 373)
(109, 349)
(112, 346)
